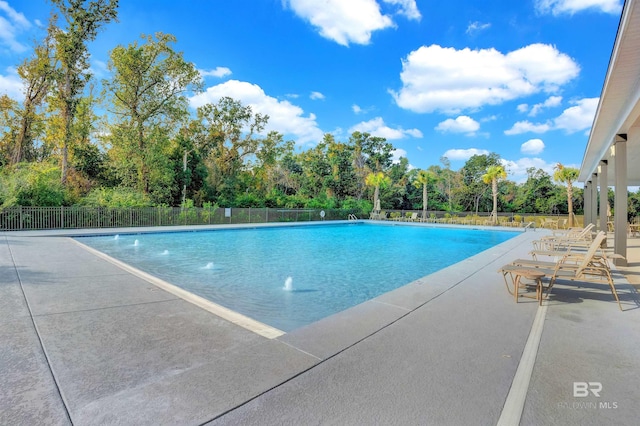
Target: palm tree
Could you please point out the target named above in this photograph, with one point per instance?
(567, 175)
(492, 176)
(377, 180)
(423, 178)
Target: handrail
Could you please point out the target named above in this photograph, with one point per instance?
(352, 217)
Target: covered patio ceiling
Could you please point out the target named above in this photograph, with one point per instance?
(619, 107)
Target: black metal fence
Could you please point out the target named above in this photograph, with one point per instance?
(32, 218)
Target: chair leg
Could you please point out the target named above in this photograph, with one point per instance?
(613, 289)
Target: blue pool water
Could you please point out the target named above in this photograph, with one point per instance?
(288, 277)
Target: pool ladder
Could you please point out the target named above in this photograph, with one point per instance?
(352, 216)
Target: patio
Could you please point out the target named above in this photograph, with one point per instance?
(85, 342)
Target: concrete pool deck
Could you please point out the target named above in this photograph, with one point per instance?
(85, 342)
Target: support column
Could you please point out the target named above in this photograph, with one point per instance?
(604, 195)
(587, 203)
(594, 199)
(620, 203)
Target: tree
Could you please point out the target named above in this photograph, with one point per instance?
(536, 195)
(567, 175)
(83, 22)
(147, 91)
(227, 141)
(473, 190)
(422, 180)
(447, 171)
(377, 180)
(37, 74)
(493, 175)
(9, 124)
(370, 154)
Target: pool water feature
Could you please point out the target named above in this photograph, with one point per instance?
(288, 277)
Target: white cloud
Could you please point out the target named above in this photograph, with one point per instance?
(462, 124)
(316, 96)
(284, 117)
(558, 7)
(12, 23)
(219, 72)
(99, 68)
(342, 21)
(377, 127)
(11, 85)
(397, 153)
(476, 27)
(436, 78)
(527, 126)
(416, 133)
(532, 146)
(518, 169)
(578, 117)
(464, 154)
(573, 119)
(357, 109)
(407, 8)
(522, 108)
(552, 101)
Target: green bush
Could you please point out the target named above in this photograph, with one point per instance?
(32, 184)
(362, 205)
(248, 200)
(116, 197)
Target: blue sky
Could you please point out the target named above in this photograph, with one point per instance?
(436, 78)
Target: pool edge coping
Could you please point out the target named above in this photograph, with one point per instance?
(234, 317)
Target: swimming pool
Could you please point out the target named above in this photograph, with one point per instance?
(288, 277)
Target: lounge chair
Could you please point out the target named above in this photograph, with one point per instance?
(575, 237)
(412, 218)
(587, 267)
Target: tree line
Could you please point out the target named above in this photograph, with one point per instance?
(132, 140)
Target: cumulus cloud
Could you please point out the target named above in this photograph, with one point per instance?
(464, 154)
(377, 127)
(522, 108)
(436, 78)
(559, 7)
(527, 126)
(578, 117)
(407, 8)
(344, 22)
(462, 124)
(12, 23)
(316, 96)
(476, 27)
(357, 109)
(284, 117)
(573, 119)
(549, 103)
(398, 153)
(11, 85)
(219, 72)
(532, 146)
